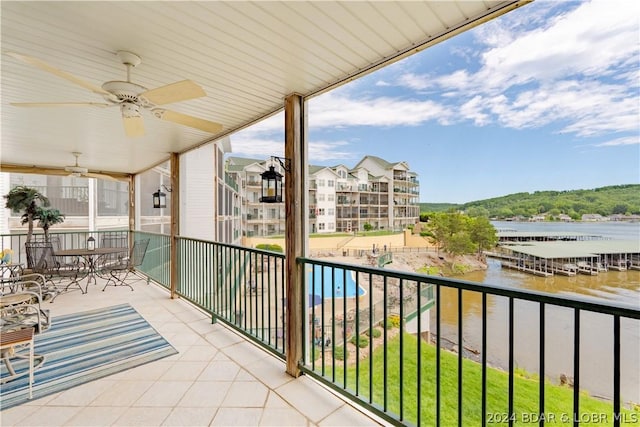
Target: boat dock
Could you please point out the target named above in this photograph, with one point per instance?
(569, 257)
(513, 236)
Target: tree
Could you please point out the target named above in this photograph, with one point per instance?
(483, 234)
(476, 211)
(367, 226)
(26, 199)
(46, 218)
(443, 226)
(620, 208)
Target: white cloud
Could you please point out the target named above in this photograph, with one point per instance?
(322, 151)
(591, 40)
(416, 82)
(473, 109)
(631, 140)
(331, 110)
(579, 68)
(266, 139)
(256, 147)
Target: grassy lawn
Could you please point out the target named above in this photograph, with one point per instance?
(558, 400)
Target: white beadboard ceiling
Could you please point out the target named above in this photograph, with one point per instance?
(248, 56)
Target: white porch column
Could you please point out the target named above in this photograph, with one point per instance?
(92, 183)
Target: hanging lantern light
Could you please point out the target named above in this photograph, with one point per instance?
(271, 186)
(159, 199)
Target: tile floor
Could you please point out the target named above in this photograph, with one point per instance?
(217, 379)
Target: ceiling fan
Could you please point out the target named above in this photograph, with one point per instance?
(131, 97)
(79, 171)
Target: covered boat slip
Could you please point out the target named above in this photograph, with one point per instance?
(572, 257)
(507, 236)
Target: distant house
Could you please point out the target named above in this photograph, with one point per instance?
(620, 217)
(537, 218)
(564, 218)
(594, 217)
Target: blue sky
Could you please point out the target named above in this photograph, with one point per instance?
(544, 98)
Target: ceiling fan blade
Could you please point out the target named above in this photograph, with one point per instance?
(60, 104)
(62, 74)
(133, 126)
(174, 92)
(99, 176)
(183, 119)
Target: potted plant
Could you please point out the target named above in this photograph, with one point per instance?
(46, 218)
(26, 199)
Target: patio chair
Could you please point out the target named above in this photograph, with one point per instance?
(35, 282)
(41, 257)
(21, 307)
(123, 272)
(21, 315)
(112, 240)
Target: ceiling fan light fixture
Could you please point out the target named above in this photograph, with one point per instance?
(130, 109)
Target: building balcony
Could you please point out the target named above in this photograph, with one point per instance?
(218, 377)
(230, 329)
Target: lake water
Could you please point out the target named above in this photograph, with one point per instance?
(596, 330)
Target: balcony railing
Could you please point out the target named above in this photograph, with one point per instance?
(242, 287)
(62, 240)
(410, 381)
(381, 337)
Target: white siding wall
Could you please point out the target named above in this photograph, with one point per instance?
(197, 204)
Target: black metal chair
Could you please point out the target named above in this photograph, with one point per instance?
(120, 274)
(42, 260)
(115, 239)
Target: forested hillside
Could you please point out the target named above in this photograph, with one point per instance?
(616, 199)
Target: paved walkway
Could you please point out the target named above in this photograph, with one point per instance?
(218, 378)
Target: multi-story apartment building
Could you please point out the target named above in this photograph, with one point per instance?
(388, 193)
(258, 219)
(376, 192)
(322, 199)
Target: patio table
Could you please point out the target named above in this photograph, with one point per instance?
(91, 256)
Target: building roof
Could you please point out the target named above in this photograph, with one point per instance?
(580, 249)
(380, 161)
(547, 234)
(313, 169)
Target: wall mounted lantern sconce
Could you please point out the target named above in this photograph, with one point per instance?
(91, 244)
(272, 181)
(160, 198)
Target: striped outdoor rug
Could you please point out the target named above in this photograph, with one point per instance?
(83, 347)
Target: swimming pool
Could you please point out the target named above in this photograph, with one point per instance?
(342, 288)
